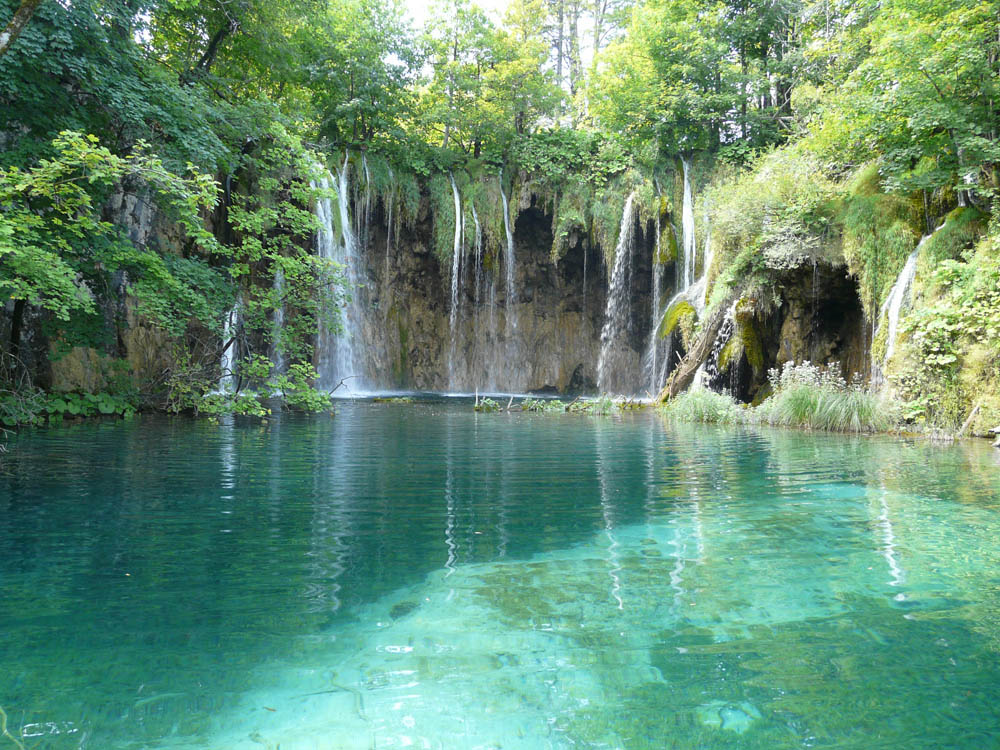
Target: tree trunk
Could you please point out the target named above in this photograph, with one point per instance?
(682, 376)
(575, 64)
(560, 43)
(13, 29)
(204, 64)
(16, 323)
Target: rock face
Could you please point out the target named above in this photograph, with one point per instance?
(543, 337)
(822, 319)
(550, 344)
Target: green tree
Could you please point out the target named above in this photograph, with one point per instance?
(56, 251)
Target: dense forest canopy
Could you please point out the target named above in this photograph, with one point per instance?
(868, 121)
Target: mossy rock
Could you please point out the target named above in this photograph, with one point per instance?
(673, 317)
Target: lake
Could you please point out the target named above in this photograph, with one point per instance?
(420, 575)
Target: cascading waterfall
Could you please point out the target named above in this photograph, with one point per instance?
(688, 289)
(227, 378)
(688, 241)
(337, 359)
(709, 369)
(455, 278)
(893, 306)
(278, 322)
(653, 352)
(511, 268)
(616, 314)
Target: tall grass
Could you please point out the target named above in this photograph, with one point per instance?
(818, 398)
(804, 395)
(705, 406)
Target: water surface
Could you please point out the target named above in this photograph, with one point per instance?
(419, 575)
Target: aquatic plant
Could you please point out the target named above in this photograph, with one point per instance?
(599, 406)
(542, 405)
(487, 405)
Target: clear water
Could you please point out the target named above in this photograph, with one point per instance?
(422, 576)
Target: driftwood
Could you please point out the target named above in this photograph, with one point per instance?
(684, 373)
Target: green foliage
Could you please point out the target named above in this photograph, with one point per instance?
(443, 210)
(191, 392)
(950, 354)
(560, 155)
(275, 223)
(21, 404)
(959, 232)
(297, 391)
(54, 244)
(60, 405)
(880, 231)
(31, 406)
(782, 206)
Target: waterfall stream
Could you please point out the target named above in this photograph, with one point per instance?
(338, 360)
(278, 322)
(689, 289)
(616, 314)
(891, 309)
(226, 378)
(894, 302)
(456, 268)
(688, 241)
(511, 268)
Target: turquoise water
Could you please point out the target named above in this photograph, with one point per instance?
(423, 576)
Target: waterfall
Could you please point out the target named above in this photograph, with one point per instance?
(455, 272)
(616, 314)
(511, 296)
(709, 369)
(654, 341)
(898, 295)
(688, 289)
(337, 360)
(688, 242)
(226, 378)
(278, 322)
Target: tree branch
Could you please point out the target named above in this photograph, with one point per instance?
(17, 23)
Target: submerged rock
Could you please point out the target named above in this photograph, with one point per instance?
(733, 717)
